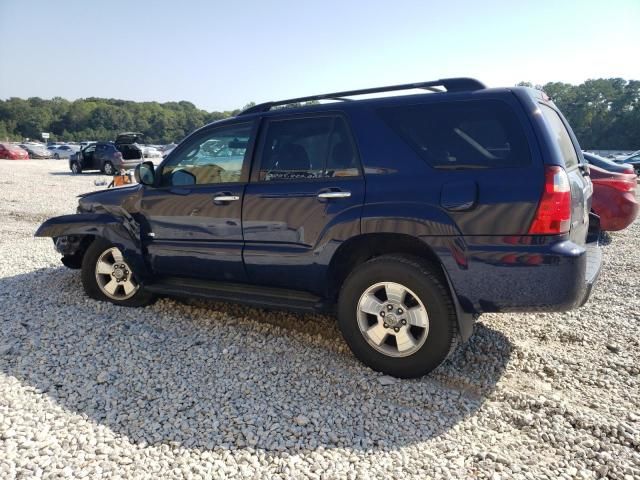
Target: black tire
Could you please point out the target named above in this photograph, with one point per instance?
(140, 299)
(75, 168)
(56, 156)
(108, 168)
(420, 278)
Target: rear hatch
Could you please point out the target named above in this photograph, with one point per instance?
(569, 156)
(127, 138)
(127, 145)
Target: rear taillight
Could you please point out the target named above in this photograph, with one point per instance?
(553, 216)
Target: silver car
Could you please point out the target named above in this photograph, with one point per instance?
(64, 151)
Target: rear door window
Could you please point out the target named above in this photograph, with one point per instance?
(561, 136)
(462, 135)
(308, 148)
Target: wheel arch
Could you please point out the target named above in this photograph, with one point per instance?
(362, 248)
(121, 232)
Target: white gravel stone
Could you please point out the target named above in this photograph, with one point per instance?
(210, 390)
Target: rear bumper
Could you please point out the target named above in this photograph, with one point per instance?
(552, 277)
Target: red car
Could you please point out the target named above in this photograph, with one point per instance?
(614, 198)
(13, 152)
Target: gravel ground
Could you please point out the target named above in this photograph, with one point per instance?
(205, 390)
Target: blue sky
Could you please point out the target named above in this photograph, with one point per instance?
(221, 55)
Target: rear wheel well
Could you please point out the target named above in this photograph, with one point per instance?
(360, 249)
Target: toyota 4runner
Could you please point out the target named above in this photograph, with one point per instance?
(406, 216)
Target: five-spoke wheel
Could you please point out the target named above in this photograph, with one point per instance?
(114, 276)
(396, 315)
(107, 275)
(393, 319)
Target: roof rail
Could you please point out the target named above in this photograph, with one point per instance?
(458, 84)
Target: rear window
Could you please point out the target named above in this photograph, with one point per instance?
(561, 135)
(462, 135)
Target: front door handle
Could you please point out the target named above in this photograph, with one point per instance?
(226, 198)
(334, 194)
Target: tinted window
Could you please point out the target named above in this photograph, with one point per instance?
(308, 148)
(215, 157)
(475, 134)
(561, 135)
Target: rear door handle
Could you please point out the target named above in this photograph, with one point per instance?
(226, 198)
(334, 195)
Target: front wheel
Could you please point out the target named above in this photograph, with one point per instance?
(56, 156)
(107, 276)
(75, 168)
(397, 316)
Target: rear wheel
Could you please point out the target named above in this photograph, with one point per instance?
(108, 168)
(75, 168)
(106, 275)
(396, 316)
(56, 156)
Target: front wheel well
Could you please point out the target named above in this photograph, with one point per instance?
(362, 248)
(75, 248)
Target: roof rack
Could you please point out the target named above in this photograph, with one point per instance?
(458, 84)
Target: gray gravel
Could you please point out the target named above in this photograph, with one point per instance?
(202, 390)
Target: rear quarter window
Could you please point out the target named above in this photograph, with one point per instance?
(561, 136)
(462, 135)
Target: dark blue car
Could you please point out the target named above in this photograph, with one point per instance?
(406, 216)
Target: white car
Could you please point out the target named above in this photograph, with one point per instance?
(622, 158)
(168, 149)
(150, 152)
(63, 151)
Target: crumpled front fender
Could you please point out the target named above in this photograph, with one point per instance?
(121, 230)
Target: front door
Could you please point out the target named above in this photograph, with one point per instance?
(304, 200)
(194, 213)
(88, 161)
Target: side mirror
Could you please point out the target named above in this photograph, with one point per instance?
(145, 173)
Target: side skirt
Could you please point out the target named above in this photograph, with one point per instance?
(252, 295)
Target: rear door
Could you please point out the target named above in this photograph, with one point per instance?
(304, 199)
(577, 171)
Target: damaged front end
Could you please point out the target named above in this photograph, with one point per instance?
(72, 235)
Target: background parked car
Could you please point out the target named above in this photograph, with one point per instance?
(63, 151)
(107, 157)
(36, 151)
(13, 152)
(149, 151)
(633, 160)
(606, 164)
(624, 156)
(614, 198)
(168, 149)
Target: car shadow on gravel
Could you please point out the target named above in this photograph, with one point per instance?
(218, 376)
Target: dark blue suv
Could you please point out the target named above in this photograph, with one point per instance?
(407, 216)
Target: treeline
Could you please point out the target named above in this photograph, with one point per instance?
(604, 113)
(100, 119)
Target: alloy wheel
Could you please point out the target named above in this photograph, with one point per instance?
(393, 319)
(114, 276)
